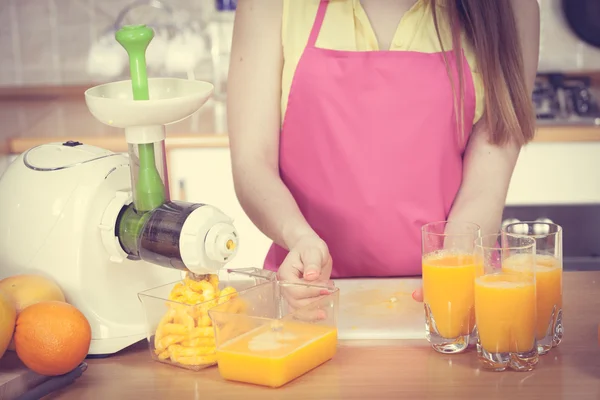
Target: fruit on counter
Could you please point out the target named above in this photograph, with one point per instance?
(185, 335)
(8, 317)
(52, 337)
(27, 289)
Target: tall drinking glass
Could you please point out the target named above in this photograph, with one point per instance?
(548, 277)
(448, 277)
(505, 302)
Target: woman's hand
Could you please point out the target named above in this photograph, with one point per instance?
(308, 259)
(417, 295)
(309, 262)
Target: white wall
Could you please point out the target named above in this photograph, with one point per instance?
(556, 173)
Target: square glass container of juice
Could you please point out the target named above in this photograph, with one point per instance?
(179, 330)
(265, 337)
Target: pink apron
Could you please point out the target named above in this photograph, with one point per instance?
(370, 149)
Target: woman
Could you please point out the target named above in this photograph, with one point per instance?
(341, 150)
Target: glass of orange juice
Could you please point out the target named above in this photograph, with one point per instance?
(448, 276)
(548, 276)
(505, 302)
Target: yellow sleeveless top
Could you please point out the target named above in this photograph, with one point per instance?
(347, 27)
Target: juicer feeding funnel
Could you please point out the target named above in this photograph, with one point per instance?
(143, 107)
(171, 100)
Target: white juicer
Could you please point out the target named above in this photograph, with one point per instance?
(101, 223)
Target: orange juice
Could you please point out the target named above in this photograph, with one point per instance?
(548, 276)
(272, 356)
(506, 312)
(448, 291)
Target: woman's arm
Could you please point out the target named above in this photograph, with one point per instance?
(488, 168)
(254, 117)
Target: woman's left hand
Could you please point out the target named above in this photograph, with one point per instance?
(417, 295)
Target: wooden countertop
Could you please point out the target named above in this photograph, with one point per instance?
(379, 369)
(32, 118)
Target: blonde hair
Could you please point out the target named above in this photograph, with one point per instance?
(491, 29)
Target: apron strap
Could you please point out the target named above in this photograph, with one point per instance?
(316, 28)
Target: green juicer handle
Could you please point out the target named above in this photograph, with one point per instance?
(150, 188)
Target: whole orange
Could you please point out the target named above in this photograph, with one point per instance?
(52, 337)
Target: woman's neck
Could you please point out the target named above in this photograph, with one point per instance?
(385, 16)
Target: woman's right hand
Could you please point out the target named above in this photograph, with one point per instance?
(309, 262)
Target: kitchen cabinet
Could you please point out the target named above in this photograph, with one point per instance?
(556, 173)
(204, 175)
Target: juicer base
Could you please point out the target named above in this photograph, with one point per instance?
(110, 346)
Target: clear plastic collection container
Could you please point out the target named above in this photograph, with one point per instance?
(266, 337)
(179, 330)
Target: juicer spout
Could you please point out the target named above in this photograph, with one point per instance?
(197, 238)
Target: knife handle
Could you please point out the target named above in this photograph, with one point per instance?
(53, 384)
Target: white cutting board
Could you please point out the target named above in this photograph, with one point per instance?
(379, 309)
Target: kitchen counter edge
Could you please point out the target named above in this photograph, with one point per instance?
(17, 145)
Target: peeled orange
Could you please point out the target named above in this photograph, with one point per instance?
(52, 337)
(8, 316)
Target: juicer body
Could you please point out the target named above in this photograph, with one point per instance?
(53, 206)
